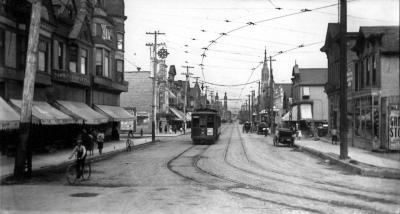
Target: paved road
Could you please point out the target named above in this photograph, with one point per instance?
(242, 173)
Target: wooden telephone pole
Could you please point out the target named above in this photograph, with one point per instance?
(187, 74)
(23, 156)
(343, 80)
(271, 96)
(154, 102)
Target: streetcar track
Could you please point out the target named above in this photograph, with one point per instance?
(336, 203)
(242, 185)
(360, 196)
(228, 189)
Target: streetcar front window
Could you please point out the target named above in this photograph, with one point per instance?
(195, 122)
(203, 121)
(210, 121)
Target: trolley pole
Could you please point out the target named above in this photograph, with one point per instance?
(154, 102)
(23, 155)
(187, 74)
(343, 80)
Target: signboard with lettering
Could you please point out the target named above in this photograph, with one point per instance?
(394, 129)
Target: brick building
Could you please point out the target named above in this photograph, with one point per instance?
(80, 65)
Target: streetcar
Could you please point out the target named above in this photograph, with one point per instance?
(206, 126)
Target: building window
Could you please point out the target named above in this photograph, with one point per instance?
(120, 41)
(10, 59)
(374, 82)
(43, 54)
(367, 71)
(362, 74)
(2, 47)
(99, 61)
(73, 58)
(356, 76)
(306, 92)
(106, 63)
(84, 61)
(60, 55)
(120, 70)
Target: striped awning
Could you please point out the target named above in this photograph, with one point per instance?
(116, 113)
(44, 113)
(82, 111)
(9, 118)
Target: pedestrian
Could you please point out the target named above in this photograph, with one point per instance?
(100, 141)
(141, 132)
(80, 152)
(299, 135)
(334, 134)
(90, 147)
(86, 140)
(166, 129)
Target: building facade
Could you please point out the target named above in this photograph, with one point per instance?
(80, 58)
(375, 94)
(332, 86)
(309, 100)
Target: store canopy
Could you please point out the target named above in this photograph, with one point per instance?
(189, 116)
(286, 117)
(179, 114)
(9, 118)
(82, 111)
(116, 113)
(306, 112)
(44, 113)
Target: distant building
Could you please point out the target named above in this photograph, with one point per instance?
(139, 97)
(309, 101)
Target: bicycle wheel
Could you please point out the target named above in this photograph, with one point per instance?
(71, 174)
(87, 171)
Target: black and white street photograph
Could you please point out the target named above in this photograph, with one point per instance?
(199, 106)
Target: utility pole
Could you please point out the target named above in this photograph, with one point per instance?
(205, 96)
(271, 96)
(343, 80)
(249, 108)
(258, 100)
(153, 106)
(24, 154)
(187, 74)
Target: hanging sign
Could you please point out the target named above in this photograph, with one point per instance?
(394, 129)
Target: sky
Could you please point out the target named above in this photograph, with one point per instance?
(242, 30)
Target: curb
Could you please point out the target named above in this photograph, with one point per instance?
(355, 166)
(92, 159)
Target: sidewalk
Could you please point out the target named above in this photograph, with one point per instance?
(361, 161)
(60, 157)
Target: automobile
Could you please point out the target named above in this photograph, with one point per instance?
(284, 136)
(262, 128)
(246, 127)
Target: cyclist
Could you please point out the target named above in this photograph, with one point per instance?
(80, 152)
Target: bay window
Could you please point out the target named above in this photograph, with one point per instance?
(120, 41)
(73, 58)
(103, 62)
(43, 56)
(84, 61)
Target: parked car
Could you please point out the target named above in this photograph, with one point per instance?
(284, 136)
(262, 128)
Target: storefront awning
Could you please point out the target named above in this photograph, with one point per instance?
(180, 116)
(116, 113)
(9, 118)
(306, 112)
(44, 113)
(286, 117)
(82, 111)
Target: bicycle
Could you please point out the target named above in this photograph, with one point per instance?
(129, 144)
(71, 172)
